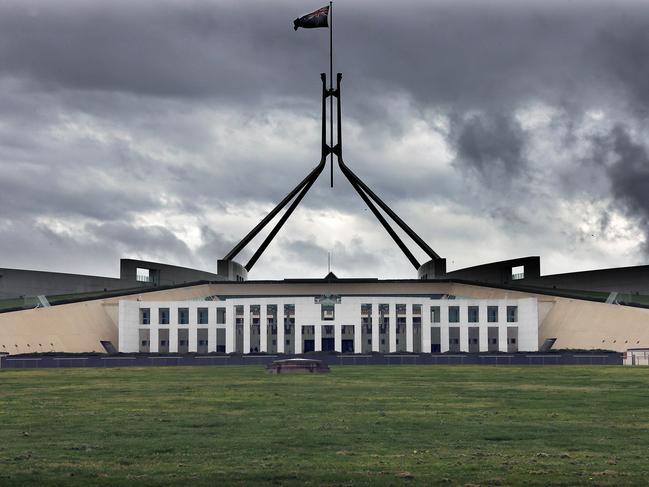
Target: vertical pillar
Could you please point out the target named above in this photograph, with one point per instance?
(443, 336)
(193, 329)
(425, 328)
(246, 328)
(230, 321)
(298, 338)
(409, 330)
(317, 338)
(263, 328)
(376, 337)
(392, 329)
(173, 329)
(211, 329)
(502, 337)
(154, 339)
(358, 338)
(483, 339)
(280, 328)
(464, 337)
(338, 338)
(502, 328)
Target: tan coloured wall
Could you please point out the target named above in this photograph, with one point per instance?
(75, 327)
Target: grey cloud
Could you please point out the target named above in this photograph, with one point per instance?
(623, 57)
(627, 166)
(347, 258)
(190, 108)
(491, 146)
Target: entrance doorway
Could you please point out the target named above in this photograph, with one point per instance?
(348, 346)
(309, 346)
(328, 344)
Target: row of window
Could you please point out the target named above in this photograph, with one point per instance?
(474, 314)
(328, 313)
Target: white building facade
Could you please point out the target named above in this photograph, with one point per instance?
(346, 324)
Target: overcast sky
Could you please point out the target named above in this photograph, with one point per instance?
(164, 130)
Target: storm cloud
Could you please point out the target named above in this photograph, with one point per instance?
(165, 130)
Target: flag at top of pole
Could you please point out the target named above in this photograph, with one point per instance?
(323, 18)
(319, 18)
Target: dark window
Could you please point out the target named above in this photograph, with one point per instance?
(182, 342)
(435, 314)
(474, 314)
(220, 316)
(453, 314)
(492, 314)
(163, 316)
(512, 314)
(145, 316)
(202, 316)
(183, 316)
(145, 343)
(163, 343)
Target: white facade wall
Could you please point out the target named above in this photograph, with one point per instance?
(347, 313)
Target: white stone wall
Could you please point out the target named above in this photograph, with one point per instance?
(347, 313)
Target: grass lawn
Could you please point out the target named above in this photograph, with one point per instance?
(359, 425)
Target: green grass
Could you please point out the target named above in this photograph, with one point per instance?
(400, 425)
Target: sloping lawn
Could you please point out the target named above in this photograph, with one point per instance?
(359, 425)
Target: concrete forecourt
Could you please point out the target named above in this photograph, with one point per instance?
(363, 425)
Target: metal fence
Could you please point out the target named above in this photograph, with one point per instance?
(156, 360)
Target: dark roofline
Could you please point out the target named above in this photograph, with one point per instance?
(524, 289)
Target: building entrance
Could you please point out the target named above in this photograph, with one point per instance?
(328, 344)
(309, 346)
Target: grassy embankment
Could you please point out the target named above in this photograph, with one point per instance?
(356, 426)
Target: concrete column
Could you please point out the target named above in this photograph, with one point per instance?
(338, 338)
(502, 327)
(317, 338)
(154, 339)
(263, 328)
(464, 337)
(211, 329)
(409, 326)
(376, 337)
(483, 340)
(280, 328)
(358, 338)
(230, 321)
(392, 329)
(193, 329)
(129, 326)
(173, 329)
(502, 335)
(298, 338)
(246, 328)
(443, 337)
(425, 328)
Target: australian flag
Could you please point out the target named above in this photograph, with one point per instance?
(319, 18)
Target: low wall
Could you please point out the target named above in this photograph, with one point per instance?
(148, 360)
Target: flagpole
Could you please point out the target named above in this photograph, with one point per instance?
(331, 98)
